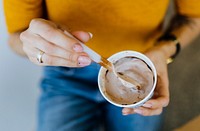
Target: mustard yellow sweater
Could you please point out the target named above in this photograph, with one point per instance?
(116, 24)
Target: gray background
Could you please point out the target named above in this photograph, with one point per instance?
(19, 87)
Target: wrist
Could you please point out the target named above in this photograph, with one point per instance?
(167, 48)
(170, 46)
(15, 44)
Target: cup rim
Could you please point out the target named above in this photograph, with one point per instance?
(138, 55)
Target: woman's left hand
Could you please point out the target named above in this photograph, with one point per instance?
(155, 105)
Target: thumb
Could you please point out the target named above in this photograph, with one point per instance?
(82, 36)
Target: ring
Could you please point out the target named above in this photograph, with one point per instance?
(39, 56)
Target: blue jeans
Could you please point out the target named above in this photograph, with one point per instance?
(70, 101)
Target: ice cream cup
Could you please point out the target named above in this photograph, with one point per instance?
(113, 59)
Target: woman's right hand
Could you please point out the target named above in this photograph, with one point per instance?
(59, 48)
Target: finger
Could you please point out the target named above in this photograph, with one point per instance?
(51, 33)
(82, 36)
(162, 91)
(50, 48)
(157, 103)
(148, 112)
(48, 60)
(162, 87)
(53, 60)
(161, 97)
(30, 51)
(127, 111)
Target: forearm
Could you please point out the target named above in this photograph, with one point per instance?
(16, 44)
(185, 32)
(185, 29)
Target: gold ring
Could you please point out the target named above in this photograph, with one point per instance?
(39, 56)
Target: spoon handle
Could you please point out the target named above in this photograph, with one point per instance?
(92, 54)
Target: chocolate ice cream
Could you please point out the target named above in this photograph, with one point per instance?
(133, 68)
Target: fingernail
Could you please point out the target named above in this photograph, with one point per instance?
(147, 105)
(91, 35)
(138, 111)
(83, 60)
(78, 48)
(125, 114)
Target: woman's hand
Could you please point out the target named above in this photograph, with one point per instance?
(155, 105)
(59, 49)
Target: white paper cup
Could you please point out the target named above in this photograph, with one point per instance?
(113, 59)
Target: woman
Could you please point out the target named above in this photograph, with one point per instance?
(70, 98)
